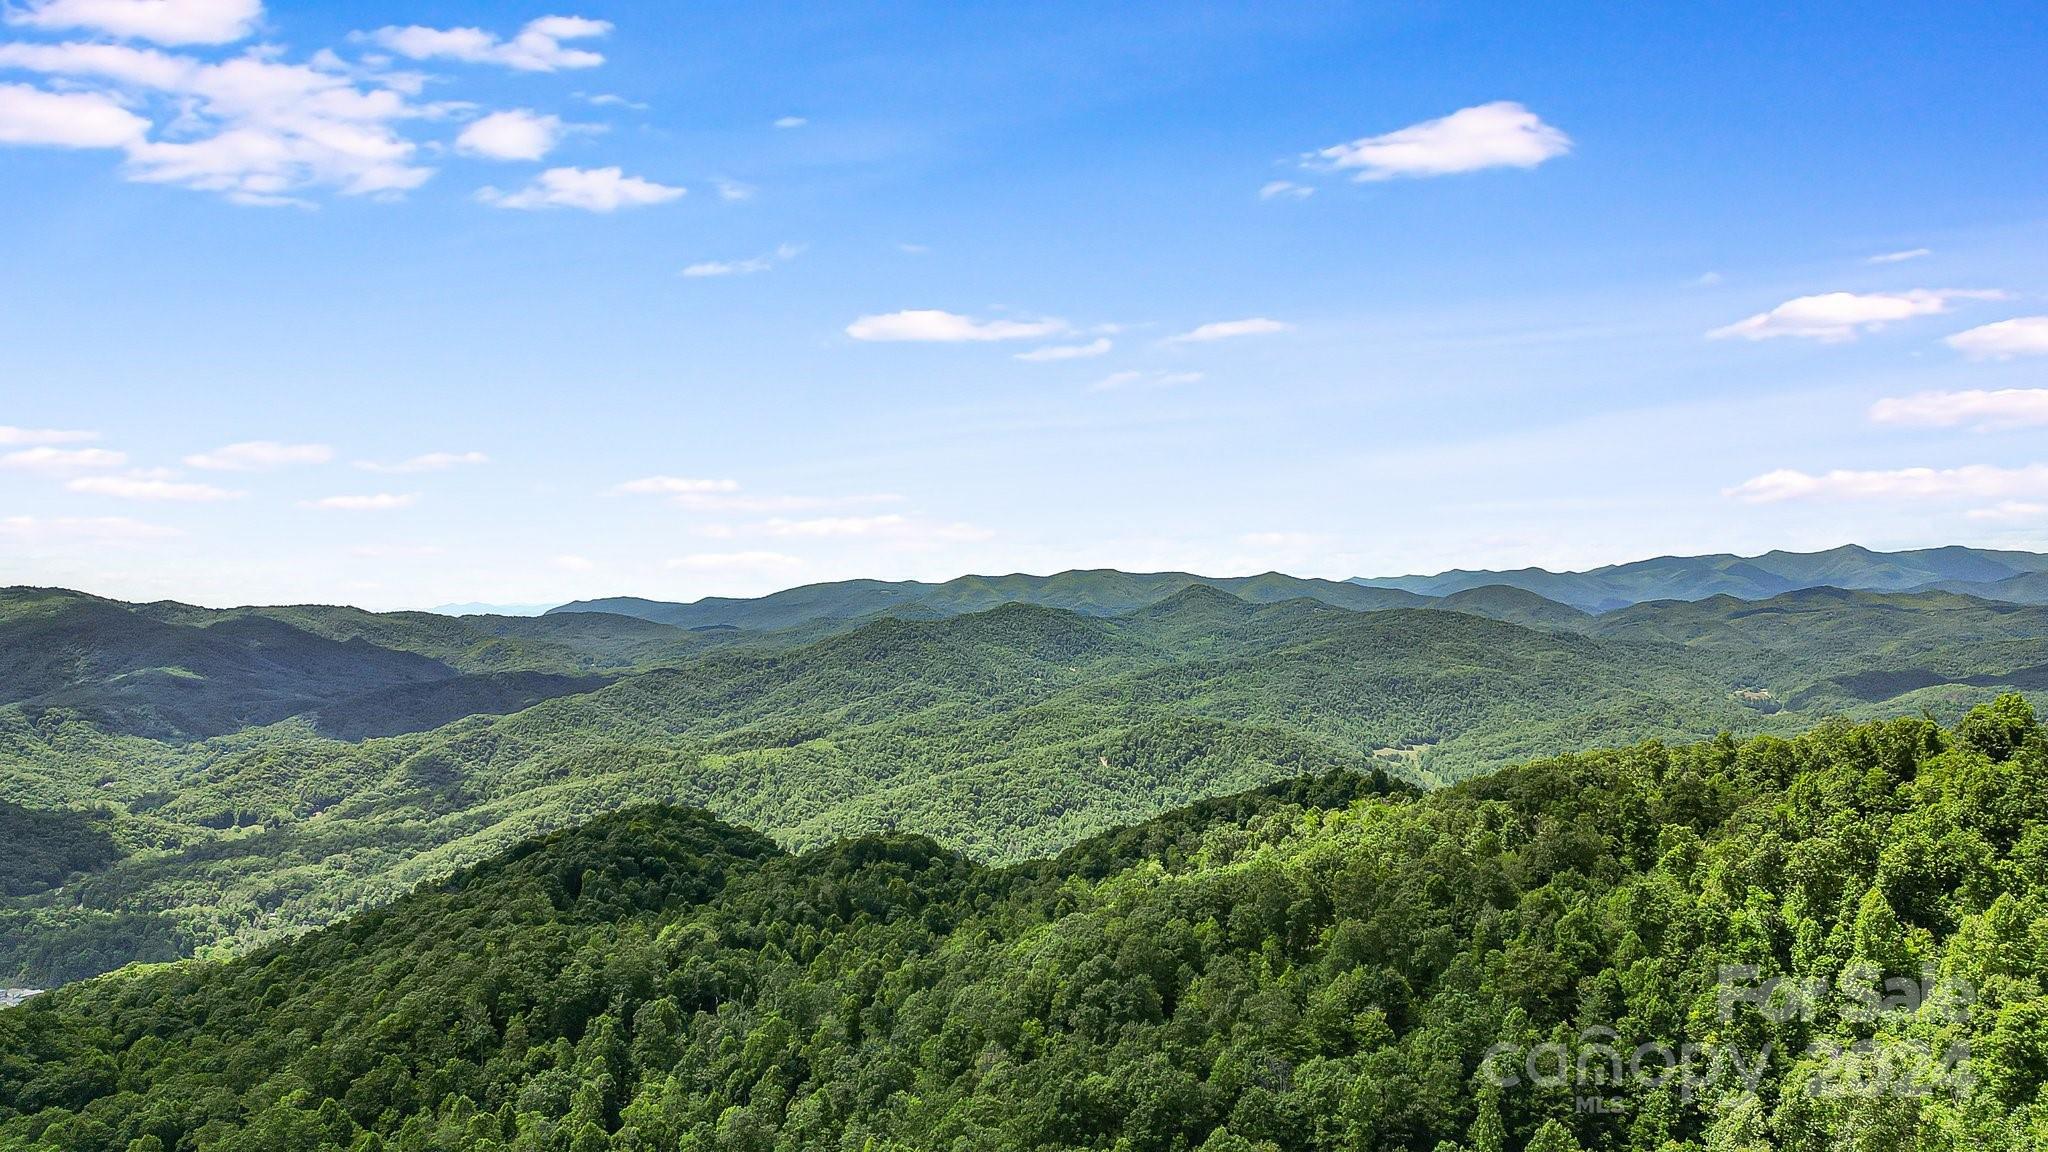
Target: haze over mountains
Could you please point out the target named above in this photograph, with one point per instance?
(190, 778)
(2015, 577)
(1989, 573)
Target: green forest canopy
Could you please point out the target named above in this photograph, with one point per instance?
(1334, 962)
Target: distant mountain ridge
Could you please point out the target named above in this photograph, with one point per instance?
(2017, 577)
(1091, 592)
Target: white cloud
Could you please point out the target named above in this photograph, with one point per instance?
(2004, 408)
(898, 529)
(428, 462)
(150, 488)
(730, 502)
(930, 325)
(610, 100)
(1285, 190)
(45, 458)
(2009, 510)
(163, 21)
(791, 122)
(1116, 380)
(11, 436)
(733, 190)
(66, 119)
(374, 502)
(677, 486)
(1838, 317)
(254, 127)
(728, 561)
(1053, 352)
(710, 268)
(33, 531)
(1974, 481)
(835, 525)
(1229, 329)
(1499, 135)
(537, 47)
(1290, 542)
(591, 189)
(1899, 257)
(2020, 336)
(258, 455)
(515, 135)
(571, 563)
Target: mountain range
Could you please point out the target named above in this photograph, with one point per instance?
(2017, 577)
(203, 780)
(2009, 576)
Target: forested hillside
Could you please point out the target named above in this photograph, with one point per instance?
(1991, 573)
(1838, 939)
(1096, 592)
(1004, 734)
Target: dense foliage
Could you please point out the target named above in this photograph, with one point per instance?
(1993, 574)
(1331, 964)
(1007, 734)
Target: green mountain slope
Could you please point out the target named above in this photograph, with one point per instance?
(1335, 963)
(2026, 588)
(1005, 734)
(1100, 592)
(175, 672)
(1745, 577)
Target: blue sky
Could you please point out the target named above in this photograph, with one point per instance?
(401, 304)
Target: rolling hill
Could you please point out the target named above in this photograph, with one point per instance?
(1006, 734)
(1744, 577)
(1098, 592)
(1334, 961)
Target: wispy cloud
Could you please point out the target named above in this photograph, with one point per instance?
(537, 47)
(154, 488)
(791, 122)
(710, 268)
(1057, 352)
(898, 528)
(573, 563)
(1285, 190)
(46, 458)
(1838, 317)
(371, 502)
(1984, 410)
(1973, 482)
(1230, 330)
(259, 455)
(2009, 510)
(10, 436)
(610, 100)
(1502, 134)
(1134, 379)
(733, 191)
(1899, 257)
(590, 189)
(31, 531)
(427, 462)
(730, 561)
(677, 486)
(2020, 336)
(930, 325)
